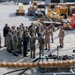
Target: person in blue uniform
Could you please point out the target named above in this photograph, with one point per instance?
(25, 43)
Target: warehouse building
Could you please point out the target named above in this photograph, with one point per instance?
(22, 1)
(56, 1)
(47, 1)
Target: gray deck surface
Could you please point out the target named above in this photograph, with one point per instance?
(7, 15)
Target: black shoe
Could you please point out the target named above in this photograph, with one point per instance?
(0, 46)
(15, 54)
(52, 42)
(30, 57)
(33, 57)
(48, 49)
(9, 51)
(61, 46)
(25, 56)
(45, 48)
(5, 45)
(19, 52)
(27, 52)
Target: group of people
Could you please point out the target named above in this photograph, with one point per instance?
(19, 40)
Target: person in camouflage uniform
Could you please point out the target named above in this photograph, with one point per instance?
(26, 30)
(32, 30)
(14, 43)
(13, 29)
(9, 41)
(41, 41)
(19, 37)
(32, 45)
(22, 27)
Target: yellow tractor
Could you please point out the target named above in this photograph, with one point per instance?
(60, 11)
(64, 11)
(20, 11)
(53, 13)
(34, 7)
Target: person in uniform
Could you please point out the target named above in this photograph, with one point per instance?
(26, 29)
(32, 30)
(41, 41)
(19, 37)
(28, 46)
(14, 43)
(52, 29)
(25, 43)
(39, 30)
(61, 36)
(22, 27)
(30, 26)
(32, 45)
(0, 41)
(5, 32)
(13, 29)
(9, 41)
(47, 38)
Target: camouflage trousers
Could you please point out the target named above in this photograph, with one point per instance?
(32, 51)
(41, 51)
(19, 46)
(14, 47)
(9, 45)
